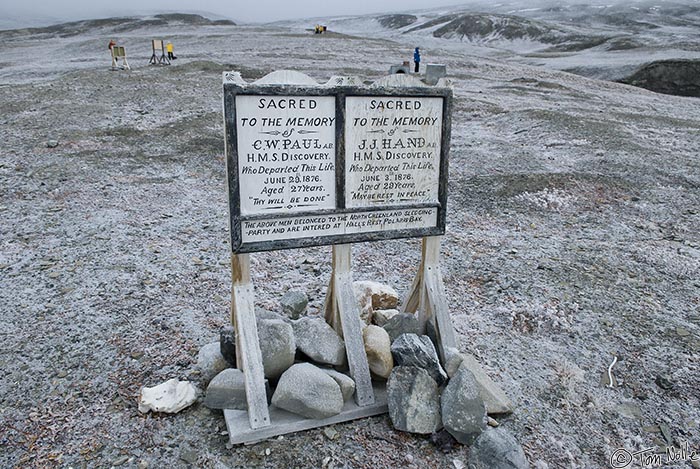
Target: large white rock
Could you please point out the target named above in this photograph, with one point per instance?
(170, 397)
(307, 391)
(378, 349)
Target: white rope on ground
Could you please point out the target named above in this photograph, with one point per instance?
(610, 376)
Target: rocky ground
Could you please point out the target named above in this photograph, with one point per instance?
(572, 237)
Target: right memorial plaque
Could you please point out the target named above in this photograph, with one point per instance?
(392, 150)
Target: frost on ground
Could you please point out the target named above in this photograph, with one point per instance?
(572, 237)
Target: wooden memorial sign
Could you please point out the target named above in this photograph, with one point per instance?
(333, 164)
(319, 165)
(158, 49)
(119, 52)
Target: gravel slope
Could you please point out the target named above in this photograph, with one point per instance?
(574, 209)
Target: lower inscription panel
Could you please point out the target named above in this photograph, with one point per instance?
(277, 229)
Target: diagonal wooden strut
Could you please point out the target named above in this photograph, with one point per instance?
(427, 295)
(248, 355)
(343, 314)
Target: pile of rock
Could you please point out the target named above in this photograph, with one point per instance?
(423, 398)
(299, 353)
(303, 359)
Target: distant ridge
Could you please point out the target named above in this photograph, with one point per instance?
(119, 24)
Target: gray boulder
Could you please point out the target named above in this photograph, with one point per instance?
(463, 411)
(453, 360)
(403, 323)
(277, 346)
(227, 391)
(413, 400)
(227, 344)
(210, 362)
(265, 314)
(494, 398)
(497, 449)
(418, 351)
(307, 391)
(319, 341)
(294, 303)
(346, 383)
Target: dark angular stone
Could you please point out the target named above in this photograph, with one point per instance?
(463, 409)
(403, 323)
(227, 343)
(413, 400)
(418, 351)
(497, 449)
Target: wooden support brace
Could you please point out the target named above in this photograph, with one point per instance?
(248, 355)
(427, 295)
(343, 314)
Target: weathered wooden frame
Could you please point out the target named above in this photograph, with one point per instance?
(163, 59)
(341, 310)
(119, 52)
(231, 90)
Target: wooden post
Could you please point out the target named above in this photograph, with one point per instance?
(248, 355)
(343, 314)
(427, 295)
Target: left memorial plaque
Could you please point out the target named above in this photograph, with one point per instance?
(286, 153)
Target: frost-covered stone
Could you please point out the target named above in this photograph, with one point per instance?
(319, 341)
(413, 400)
(418, 351)
(277, 346)
(210, 362)
(169, 397)
(403, 323)
(346, 383)
(306, 390)
(265, 314)
(382, 316)
(227, 391)
(378, 349)
(463, 411)
(453, 360)
(497, 449)
(294, 303)
(495, 399)
(227, 344)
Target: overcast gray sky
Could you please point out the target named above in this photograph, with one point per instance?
(246, 10)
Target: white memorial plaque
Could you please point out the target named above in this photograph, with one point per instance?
(286, 153)
(337, 224)
(392, 150)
